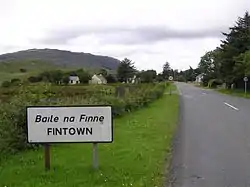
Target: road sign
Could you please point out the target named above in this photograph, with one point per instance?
(170, 78)
(245, 79)
(69, 124)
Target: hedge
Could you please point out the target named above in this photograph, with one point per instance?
(13, 115)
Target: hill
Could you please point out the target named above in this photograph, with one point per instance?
(62, 58)
(34, 61)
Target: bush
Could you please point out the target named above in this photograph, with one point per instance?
(213, 83)
(15, 82)
(23, 70)
(111, 79)
(34, 79)
(13, 114)
(6, 84)
(13, 129)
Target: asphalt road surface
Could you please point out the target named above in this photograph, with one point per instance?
(212, 147)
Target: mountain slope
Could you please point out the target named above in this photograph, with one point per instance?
(63, 58)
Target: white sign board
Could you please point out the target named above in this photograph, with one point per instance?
(170, 78)
(245, 79)
(69, 124)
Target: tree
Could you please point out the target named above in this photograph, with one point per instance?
(84, 77)
(104, 72)
(34, 79)
(166, 70)
(111, 79)
(53, 76)
(237, 42)
(189, 74)
(56, 76)
(148, 76)
(159, 77)
(65, 79)
(242, 64)
(125, 70)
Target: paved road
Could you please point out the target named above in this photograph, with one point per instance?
(212, 148)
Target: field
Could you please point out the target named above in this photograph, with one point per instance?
(13, 69)
(10, 70)
(137, 157)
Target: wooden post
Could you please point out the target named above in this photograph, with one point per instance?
(47, 156)
(95, 156)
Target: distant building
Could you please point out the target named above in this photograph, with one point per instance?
(199, 78)
(73, 79)
(133, 80)
(98, 79)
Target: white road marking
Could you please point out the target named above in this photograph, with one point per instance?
(204, 93)
(231, 106)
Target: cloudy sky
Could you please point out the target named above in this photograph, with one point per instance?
(149, 32)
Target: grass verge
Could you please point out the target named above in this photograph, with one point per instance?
(238, 93)
(137, 157)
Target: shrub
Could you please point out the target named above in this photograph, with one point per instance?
(34, 79)
(6, 84)
(13, 118)
(15, 80)
(13, 114)
(213, 83)
(23, 70)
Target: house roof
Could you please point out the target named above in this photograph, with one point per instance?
(200, 75)
(100, 77)
(73, 78)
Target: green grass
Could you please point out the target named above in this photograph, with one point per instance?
(10, 70)
(137, 157)
(238, 93)
(29, 65)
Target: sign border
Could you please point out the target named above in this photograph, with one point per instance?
(61, 106)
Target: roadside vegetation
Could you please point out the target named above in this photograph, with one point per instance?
(13, 120)
(137, 157)
(235, 92)
(145, 119)
(226, 66)
(229, 63)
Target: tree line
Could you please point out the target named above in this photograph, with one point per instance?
(229, 63)
(125, 72)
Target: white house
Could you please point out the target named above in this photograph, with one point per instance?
(199, 78)
(133, 80)
(98, 79)
(74, 80)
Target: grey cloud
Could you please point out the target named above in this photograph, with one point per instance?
(129, 36)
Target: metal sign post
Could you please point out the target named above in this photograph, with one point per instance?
(95, 156)
(170, 78)
(245, 80)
